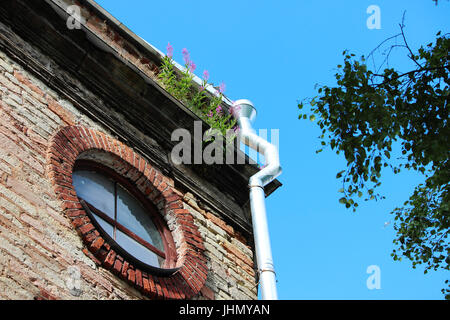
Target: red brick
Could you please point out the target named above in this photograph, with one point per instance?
(86, 228)
(183, 285)
(71, 205)
(117, 266)
(172, 198)
(237, 253)
(152, 175)
(80, 221)
(186, 214)
(84, 137)
(142, 165)
(139, 278)
(124, 273)
(97, 244)
(87, 136)
(159, 291)
(146, 286)
(165, 288)
(168, 192)
(147, 170)
(104, 139)
(28, 83)
(157, 180)
(131, 276)
(175, 205)
(129, 155)
(136, 160)
(109, 261)
(102, 253)
(207, 293)
(64, 115)
(196, 244)
(152, 285)
(220, 223)
(93, 135)
(76, 213)
(162, 187)
(89, 238)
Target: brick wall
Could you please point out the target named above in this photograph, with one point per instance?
(39, 245)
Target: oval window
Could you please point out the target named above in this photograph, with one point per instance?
(128, 222)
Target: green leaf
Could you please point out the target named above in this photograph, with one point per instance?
(368, 111)
(339, 174)
(343, 200)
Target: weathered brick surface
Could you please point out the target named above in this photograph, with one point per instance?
(44, 231)
(229, 263)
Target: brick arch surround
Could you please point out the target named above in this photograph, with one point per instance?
(65, 147)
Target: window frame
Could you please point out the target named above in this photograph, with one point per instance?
(170, 256)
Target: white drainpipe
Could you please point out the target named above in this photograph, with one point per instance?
(244, 112)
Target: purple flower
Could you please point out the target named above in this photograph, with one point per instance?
(219, 109)
(205, 75)
(192, 66)
(210, 114)
(169, 50)
(186, 57)
(222, 88)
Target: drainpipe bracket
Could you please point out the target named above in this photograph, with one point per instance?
(270, 270)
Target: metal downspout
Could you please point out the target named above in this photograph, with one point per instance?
(244, 112)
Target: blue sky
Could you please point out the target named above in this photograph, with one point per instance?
(273, 53)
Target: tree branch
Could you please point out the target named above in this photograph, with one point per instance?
(402, 25)
(408, 73)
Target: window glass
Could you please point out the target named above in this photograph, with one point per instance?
(120, 215)
(137, 250)
(109, 229)
(132, 215)
(95, 189)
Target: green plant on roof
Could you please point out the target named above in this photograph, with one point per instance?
(206, 106)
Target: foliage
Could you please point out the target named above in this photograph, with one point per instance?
(365, 115)
(206, 106)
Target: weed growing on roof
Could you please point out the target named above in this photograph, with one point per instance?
(205, 105)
